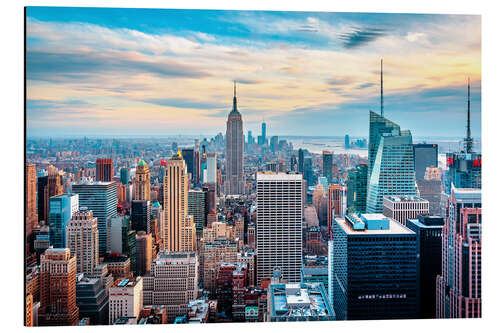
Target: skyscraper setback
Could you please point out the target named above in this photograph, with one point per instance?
(235, 183)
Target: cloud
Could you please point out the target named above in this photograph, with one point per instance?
(59, 67)
(183, 103)
(360, 36)
(365, 85)
(340, 81)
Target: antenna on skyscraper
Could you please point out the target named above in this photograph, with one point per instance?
(382, 87)
(468, 139)
(234, 97)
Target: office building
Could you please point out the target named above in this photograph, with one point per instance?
(357, 186)
(57, 288)
(249, 258)
(301, 160)
(211, 168)
(328, 165)
(298, 302)
(308, 171)
(372, 268)
(47, 187)
(125, 299)
(82, 238)
(430, 189)
(402, 208)
(239, 287)
(179, 228)
(235, 181)
(213, 253)
(279, 225)
(458, 287)
(31, 215)
(142, 182)
(347, 143)
(315, 274)
(140, 215)
(429, 231)
(188, 157)
(196, 208)
(62, 207)
(274, 144)
(104, 170)
(118, 265)
(173, 281)
(28, 321)
(464, 168)
(144, 252)
(124, 175)
(337, 202)
(101, 199)
(425, 156)
(92, 299)
(392, 169)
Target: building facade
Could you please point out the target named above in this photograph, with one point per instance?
(82, 238)
(279, 225)
(458, 287)
(104, 170)
(235, 181)
(125, 299)
(402, 208)
(142, 182)
(372, 269)
(62, 208)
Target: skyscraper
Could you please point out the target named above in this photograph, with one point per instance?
(378, 127)
(48, 186)
(196, 208)
(101, 199)
(328, 165)
(188, 156)
(458, 288)
(347, 143)
(392, 171)
(430, 189)
(211, 168)
(425, 155)
(62, 208)
(263, 133)
(104, 170)
(429, 230)
(124, 175)
(464, 168)
(57, 288)
(144, 252)
(337, 202)
(140, 215)
(142, 185)
(357, 186)
(179, 229)
(31, 216)
(372, 268)
(279, 225)
(301, 160)
(308, 171)
(82, 238)
(235, 182)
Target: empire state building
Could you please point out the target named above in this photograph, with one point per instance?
(234, 182)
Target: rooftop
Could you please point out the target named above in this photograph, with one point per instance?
(360, 225)
(278, 176)
(300, 300)
(404, 198)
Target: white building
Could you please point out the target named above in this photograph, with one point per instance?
(172, 281)
(279, 225)
(82, 238)
(211, 168)
(402, 208)
(125, 299)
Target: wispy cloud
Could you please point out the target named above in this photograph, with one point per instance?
(360, 36)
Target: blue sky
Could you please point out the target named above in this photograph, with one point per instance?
(118, 71)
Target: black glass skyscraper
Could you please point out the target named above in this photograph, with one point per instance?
(425, 155)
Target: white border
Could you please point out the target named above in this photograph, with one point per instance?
(12, 152)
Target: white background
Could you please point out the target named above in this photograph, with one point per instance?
(11, 176)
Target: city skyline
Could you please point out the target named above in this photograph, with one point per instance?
(145, 74)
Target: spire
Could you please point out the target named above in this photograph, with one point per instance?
(468, 139)
(382, 87)
(235, 108)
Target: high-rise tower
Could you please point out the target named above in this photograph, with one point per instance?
(82, 238)
(235, 183)
(468, 139)
(142, 186)
(104, 169)
(179, 228)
